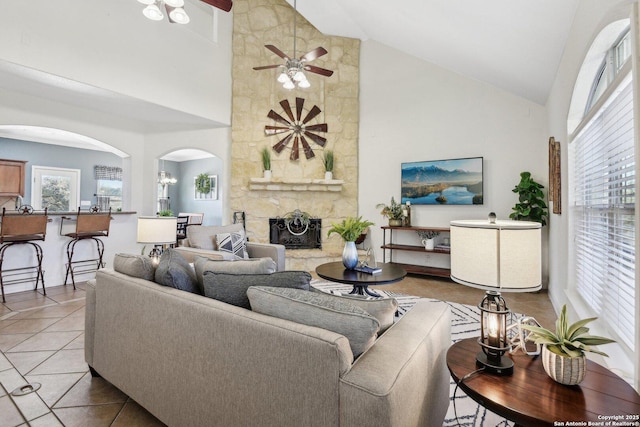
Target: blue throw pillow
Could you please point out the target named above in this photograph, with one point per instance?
(174, 271)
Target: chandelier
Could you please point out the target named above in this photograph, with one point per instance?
(174, 8)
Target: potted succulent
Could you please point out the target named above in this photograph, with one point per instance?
(265, 155)
(531, 205)
(350, 229)
(328, 159)
(392, 211)
(563, 351)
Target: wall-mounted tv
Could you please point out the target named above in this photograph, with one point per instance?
(443, 182)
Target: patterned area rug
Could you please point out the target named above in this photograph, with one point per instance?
(464, 324)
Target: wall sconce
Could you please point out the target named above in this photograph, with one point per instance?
(493, 335)
(158, 230)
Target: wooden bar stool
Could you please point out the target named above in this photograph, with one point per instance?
(18, 228)
(88, 225)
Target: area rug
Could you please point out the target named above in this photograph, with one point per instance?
(464, 324)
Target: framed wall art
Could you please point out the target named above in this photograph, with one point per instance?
(205, 187)
(555, 175)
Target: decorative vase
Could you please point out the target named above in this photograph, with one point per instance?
(328, 175)
(350, 255)
(395, 222)
(564, 369)
(267, 174)
(429, 244)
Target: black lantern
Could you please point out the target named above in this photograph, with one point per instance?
(493, 335)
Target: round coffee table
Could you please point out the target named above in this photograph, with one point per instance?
(531, 398)
(335, 272)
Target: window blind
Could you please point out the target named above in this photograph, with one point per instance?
(603, 213)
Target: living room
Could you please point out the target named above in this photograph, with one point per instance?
(178, 86)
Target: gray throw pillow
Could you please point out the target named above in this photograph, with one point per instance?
(139, 266)
(383, 309)
(174, 271)
(232, 288)
(249, 266)
(320, 310)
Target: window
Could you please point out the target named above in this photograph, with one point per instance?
(603, 211)
(56, 189)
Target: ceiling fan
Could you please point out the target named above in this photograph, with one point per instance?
(175, 9)
(292, 71)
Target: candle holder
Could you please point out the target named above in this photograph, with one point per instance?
(493, 335)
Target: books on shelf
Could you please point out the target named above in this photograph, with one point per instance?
(368, 270)
(442, 247)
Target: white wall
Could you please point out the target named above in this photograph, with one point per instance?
(411, 110)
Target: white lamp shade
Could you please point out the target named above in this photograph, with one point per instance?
(304, 84)
(157, 230)
(175, 3)
(288, 85)
(147, 1)
(179, 16)
(153, 12)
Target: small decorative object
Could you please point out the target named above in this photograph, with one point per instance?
(519, 336)
(350, 229)
(203, 184)
(265, 154)
(407, 214)
(493, 335)
(563, 355)
(328, 159)
(428, 238)
(205, 187)
(555, 175)
(297, 222)
(531, 205)
(492, 217)
(393, 212)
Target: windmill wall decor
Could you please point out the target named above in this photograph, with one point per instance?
(296, 128)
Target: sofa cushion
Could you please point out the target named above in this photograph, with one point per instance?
(383, 309)
(320, 310)
(249, 266)
(203, 236)
(174, 271)
(139, 266)
(234, 243)
(232, 288)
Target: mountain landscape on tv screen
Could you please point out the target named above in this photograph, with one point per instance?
(433, 184)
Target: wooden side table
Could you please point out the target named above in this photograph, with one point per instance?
(530, 397)
(335, 272)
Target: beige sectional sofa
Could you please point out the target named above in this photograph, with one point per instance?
(196, 361)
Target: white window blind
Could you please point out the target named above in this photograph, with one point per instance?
(603, 213)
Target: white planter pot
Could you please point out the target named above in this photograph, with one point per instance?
(564, 369)
(267, 175)
(328, 176)
(429, 244)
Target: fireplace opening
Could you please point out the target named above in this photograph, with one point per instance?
(297, 230)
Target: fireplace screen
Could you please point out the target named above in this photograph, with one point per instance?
(296, 233)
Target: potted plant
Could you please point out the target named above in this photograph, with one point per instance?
(166, 212)
(328, 159)
(350, 229)
(531, 205)
(563, 351)
(392, 211)
(265, 155)
(428, 238)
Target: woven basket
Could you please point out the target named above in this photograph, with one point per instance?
(564, 369)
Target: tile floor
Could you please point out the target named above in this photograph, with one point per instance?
(42, 341)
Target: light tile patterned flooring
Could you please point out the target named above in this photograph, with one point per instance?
(42, 341)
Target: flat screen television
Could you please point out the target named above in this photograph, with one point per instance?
(443, 182)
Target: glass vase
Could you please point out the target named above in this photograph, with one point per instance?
(350, 255)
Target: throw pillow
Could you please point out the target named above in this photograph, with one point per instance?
(249, 266)
(139, 266)
(234, 243)
(320, 310)
(232, 288)
(174, 271)
(203, 236)
(383, 309)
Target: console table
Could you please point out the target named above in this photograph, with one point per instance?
(389, 245)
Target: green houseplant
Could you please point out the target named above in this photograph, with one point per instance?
(328, 159)
(392, 211)
(531, 205)
(349, 229)
(563, 351)
(265, 156)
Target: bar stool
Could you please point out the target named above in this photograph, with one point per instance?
(88, 225)
(181, 229)
(22, 227)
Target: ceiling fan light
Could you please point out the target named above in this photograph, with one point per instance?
(283, 77)
(174, 3)
(299, 76)
(288, 85)
(147, 2)
(304, 84)
(178, 15)
(153, 12)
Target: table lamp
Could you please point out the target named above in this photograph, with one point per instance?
(493, 335)
(159, 231)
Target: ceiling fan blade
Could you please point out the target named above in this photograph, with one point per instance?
(279, 146)
(308, 152)
(313, 113)
(316, 138)
(317, 128)
(275, 130)
(287, 108)
(295, 150)
(277, 51)
(299, 107)
(315, 53)
(220, 4)
(318, 70)
(266, 67)
(278, 118)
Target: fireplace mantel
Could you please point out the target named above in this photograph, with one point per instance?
(299, 184)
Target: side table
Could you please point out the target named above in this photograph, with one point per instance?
(530, 397)
(335, 272)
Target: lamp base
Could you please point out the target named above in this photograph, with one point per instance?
(503, 366)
